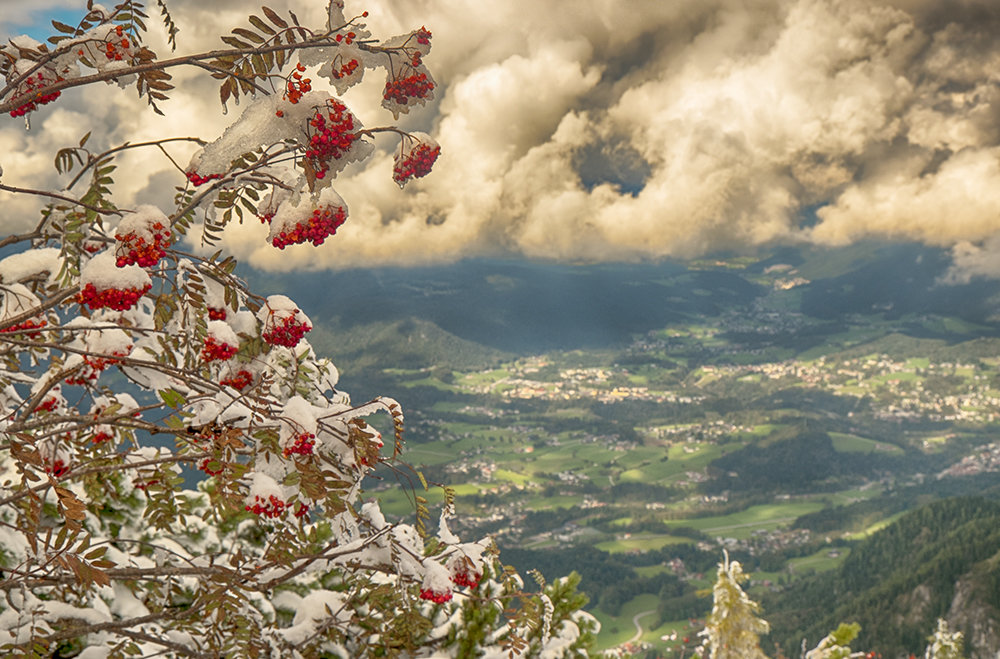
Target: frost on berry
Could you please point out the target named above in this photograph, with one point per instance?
(16, 300)
(266, 497)
(415, 158)
(96, 350)
(284, 324)
(28, 93)
(309, 220)
(105, 408)
(56, 459)
(407, 88)
(330, 136)
(103, 285)
(239, 380)
(143, 237)
(297, 432)
(436, 586)
(221, 342)
(409, 83)
(466, 567)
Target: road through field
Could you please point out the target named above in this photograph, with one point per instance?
(638, 627)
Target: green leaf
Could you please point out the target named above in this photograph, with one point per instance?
(172, 398)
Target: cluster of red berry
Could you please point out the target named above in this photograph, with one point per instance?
(415, 164)
(434, 596)
(57, 468)
(303, 445)
(216, 350)
(288, 333)
(115, 50)
(301, 510)
(38, 81)
(93, 367)
(322, 223)
(423, 36)
(402, 88)
(47, 405)
(216, 313)
(240, 381)
(345, 38)
(297, 86)
(345, 70)
(330, 136)
(464, 577)
(197, 179)
(119, 299)
(273, 507)
(136, 249)
(27, 325)
(101, 437)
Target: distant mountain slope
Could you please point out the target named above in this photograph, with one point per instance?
(409, 343)
(520, 307)
(941, 560)
(524, 307)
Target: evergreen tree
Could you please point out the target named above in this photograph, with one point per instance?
(945, 644)
(733, 628)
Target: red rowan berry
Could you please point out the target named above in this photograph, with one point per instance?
(435, 596)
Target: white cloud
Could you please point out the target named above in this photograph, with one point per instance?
(604, 129)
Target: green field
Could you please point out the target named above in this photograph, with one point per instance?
(854, 444)
(742, 524)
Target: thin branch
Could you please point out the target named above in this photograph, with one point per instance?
(53, 195)
(92, 159)
(159, 65)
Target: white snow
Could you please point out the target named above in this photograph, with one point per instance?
(24, 265)
(102, 272)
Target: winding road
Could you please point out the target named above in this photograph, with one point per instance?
(638, 627)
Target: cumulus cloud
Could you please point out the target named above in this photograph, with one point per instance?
(609, 129)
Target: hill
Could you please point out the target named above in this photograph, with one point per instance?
(941, 560)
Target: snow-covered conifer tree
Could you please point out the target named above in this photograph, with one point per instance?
(944, 643)
(733, 629)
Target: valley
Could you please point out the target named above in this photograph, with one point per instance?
(741, 413)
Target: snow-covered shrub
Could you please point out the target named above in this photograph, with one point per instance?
(126, 359)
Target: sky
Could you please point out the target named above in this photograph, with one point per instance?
(613, 130)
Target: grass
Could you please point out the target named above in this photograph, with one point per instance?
(742, 524)
(853, 444)
(618, 629)
(640, 542)
(821, 561)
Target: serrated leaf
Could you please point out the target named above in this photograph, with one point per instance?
(172, 398)
(273, 17)
(62, 27)
(259, 23)
(248, 34)
(234, 42)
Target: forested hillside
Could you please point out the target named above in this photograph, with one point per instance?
(939, 561)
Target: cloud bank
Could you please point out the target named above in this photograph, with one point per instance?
(591, 130)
